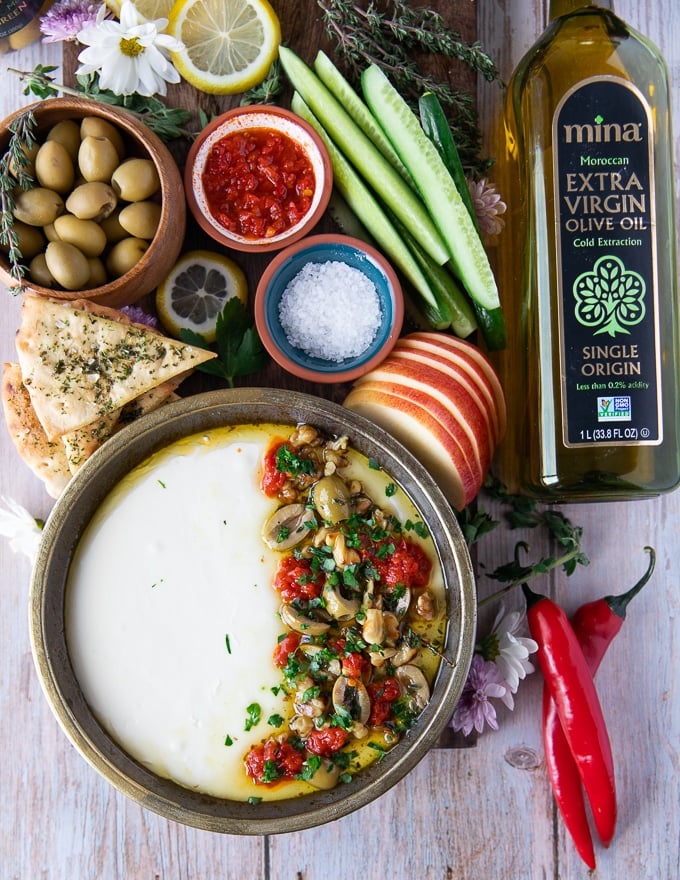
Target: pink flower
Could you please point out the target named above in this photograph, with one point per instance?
(64, 20)
(475, 708)
(488, 206)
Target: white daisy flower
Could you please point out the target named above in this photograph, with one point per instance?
(509, 651)
(22, 529)
(130, 55)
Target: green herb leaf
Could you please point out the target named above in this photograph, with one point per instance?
(254, 711)
(239, 348)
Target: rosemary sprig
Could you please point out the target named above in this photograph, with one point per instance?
(390, 39)
(167, 122)
(14, 173)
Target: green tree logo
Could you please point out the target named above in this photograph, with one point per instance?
(610, 297)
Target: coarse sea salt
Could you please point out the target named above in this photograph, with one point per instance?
(330, 310)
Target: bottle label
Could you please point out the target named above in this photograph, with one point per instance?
(16, 14)
(607, 265)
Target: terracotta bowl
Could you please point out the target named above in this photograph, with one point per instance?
(252, 118)
(79, 504)
(139, 141)
(314, 251)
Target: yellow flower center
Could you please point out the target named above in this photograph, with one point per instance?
(131, 47)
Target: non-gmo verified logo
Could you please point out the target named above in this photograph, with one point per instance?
(613, 409)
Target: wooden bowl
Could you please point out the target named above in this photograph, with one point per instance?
(140, 141)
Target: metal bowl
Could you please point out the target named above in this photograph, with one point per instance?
(80, 501)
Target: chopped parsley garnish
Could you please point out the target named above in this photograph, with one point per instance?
(275, 720)
(228, 741)
(390, 489)
(227, 643)
(289, 462)
(254, 714)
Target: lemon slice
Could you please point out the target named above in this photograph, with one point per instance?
(229, 45)
(150, 9)
(195, 291)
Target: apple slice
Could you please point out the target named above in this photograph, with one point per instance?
(422, 435)
(446, 343)
(459, 361)
(445, 398)
(453, 381)
(463, 447)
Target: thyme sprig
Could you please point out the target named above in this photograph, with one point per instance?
(391, 38)
(14, 172)
(167, 122)
(523, 512)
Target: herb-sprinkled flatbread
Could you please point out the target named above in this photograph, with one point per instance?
(83, 442)
(79, 363)
(46, 458)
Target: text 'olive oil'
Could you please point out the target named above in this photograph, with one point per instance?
(587, 267)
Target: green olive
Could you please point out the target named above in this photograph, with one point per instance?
(124, 255)
(331, 498)
(112, 228)
(95, 126)
(30, 240)
(98, 276)
(67, 133)
(86, 235)
(50, 232)
(135, 180)
(92, 201)
(97, 158)
(39, 273)
(38, 206)
(68, 265)
(141, 219)
(54, 167)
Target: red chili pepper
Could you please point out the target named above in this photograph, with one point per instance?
(596, 624)
(571, 686)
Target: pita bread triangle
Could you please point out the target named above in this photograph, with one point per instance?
(80, 362)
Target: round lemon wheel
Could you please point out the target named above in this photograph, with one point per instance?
(229, 45)
(195, 291)
(150, 9)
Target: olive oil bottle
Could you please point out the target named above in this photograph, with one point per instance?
(587, 265)
(20, 23)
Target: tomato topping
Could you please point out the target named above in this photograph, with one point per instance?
(258, 182)
(272, 478)
(326, 740)
(354, 665)
(295, 579)
(407, 564)
(287, 646)
(383, 695)
(272, 761)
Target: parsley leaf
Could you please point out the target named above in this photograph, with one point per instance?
(239, 348)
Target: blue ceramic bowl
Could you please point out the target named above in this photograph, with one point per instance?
(322, 249)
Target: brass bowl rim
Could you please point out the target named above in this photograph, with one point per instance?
(71, 515)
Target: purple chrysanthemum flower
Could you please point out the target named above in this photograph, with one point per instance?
(488, 206)
(63, 21)
(138, 316)
(474, 707)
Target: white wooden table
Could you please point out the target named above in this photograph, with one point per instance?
(480, 812)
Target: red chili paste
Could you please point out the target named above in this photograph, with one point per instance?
(258, 182)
